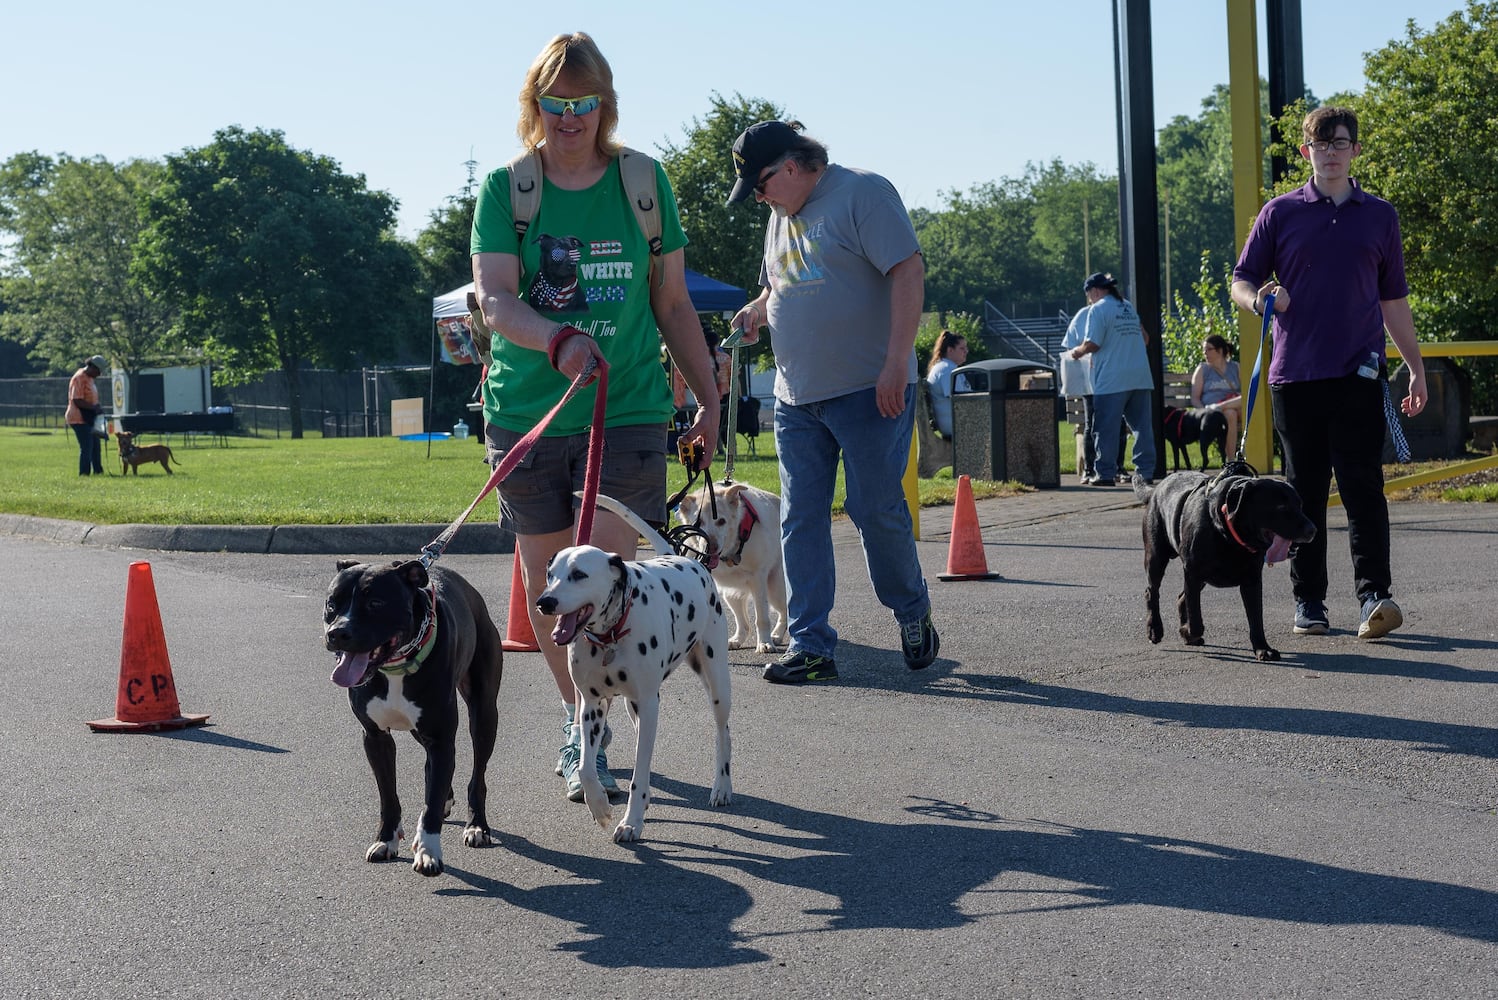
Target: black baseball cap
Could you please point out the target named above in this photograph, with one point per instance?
(1099, 279)
(756, 148)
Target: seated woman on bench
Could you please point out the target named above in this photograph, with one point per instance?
(1215, 385)
(947, 356)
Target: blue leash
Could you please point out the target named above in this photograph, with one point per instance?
(1253, 382)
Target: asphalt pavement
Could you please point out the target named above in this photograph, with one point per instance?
(1056, 808)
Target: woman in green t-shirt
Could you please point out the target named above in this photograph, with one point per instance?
(577, 287)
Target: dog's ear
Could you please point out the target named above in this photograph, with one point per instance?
(344, 564)
(732, 490)
(1234, 495)
(616, 563)
(413, 572)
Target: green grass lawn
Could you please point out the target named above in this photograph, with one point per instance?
(312, 481)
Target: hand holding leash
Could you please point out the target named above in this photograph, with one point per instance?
(572, 352)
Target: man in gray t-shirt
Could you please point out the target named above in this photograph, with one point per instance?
(843, 285)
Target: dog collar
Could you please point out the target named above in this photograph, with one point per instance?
(618, 630)
(746, 528)
(1226, 519)
(409, 658)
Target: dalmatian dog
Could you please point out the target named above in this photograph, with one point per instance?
(555, 288)
(626, 626)
(742, 525)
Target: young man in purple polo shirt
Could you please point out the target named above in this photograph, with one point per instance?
(1330, 254)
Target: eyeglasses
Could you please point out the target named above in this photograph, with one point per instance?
(1322, 145)
(759, 188)
(577, 105)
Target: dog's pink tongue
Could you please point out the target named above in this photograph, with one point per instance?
(567, 625)
(1279, 550)
(348, 668)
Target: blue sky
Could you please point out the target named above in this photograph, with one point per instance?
(936, 95)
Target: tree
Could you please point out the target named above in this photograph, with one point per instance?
(276, 259)
(1194, 172)
(979, 243)
(726, 241)
(1429, 123)
(67, 283)
(443, 245)
(1076, 227)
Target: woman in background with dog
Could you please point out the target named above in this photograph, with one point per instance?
(1215, 386)
(83, 407)
(582, 271)
(949, 353)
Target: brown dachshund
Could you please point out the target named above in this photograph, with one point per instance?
(132, 454)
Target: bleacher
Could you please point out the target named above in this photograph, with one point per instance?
(1036, 338)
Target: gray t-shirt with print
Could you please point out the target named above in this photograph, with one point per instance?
(826, 268)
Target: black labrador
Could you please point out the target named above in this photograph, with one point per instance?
(1184, 428)
(1224, 529)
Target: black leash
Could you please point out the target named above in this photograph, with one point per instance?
(689, 539)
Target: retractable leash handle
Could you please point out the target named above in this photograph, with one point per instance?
(731, 445)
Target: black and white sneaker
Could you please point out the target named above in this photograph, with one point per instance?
(919, 642)
(797, 667)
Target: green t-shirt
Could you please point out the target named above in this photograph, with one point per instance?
(584, 262)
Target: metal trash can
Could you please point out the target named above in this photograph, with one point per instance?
(1004, 422)
(1442, 428)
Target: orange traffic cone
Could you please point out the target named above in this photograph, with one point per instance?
(965, 558)
(147, 698)
(519, 636)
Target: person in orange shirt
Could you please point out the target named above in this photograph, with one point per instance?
(83, 407)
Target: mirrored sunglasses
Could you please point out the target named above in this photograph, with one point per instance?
(577, 105)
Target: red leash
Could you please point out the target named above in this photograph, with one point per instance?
(591, 478)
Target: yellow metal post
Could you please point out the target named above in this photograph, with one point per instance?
(1248, 179)
(911, 482)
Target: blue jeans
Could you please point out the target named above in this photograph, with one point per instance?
(874, 451)
(1109, 408)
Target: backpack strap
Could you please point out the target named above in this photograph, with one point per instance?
(636, 170)
(525, 190)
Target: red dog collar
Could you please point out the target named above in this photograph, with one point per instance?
(1226, 519)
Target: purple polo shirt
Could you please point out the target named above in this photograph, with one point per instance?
(1338, 262)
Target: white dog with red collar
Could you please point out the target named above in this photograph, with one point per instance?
(626, 626)
(743, 552)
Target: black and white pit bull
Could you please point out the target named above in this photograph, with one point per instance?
(408, 642)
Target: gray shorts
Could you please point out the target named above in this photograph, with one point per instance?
(536, 498)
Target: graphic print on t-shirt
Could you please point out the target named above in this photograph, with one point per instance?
(801, 264)
(555, 289)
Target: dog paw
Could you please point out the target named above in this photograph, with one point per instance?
(477, 836)
(598, 805)
(1156, 631)
(1267, 655)
(424, 864)
(383, 850)
(721, 793)
(626, 834)
(426, 854)
(1192, 640)
(737, 642)
(769, 647)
